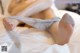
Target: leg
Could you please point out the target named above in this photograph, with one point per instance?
(48, 13)
(45, 14)
(61, 31)
(39, 15)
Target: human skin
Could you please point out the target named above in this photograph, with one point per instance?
(16, 7)
(22, 4)
(56, 30)
(60, 31)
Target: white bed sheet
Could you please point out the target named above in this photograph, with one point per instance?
(42, 47)
(35, 43)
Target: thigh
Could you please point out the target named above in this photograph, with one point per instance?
(48, 13)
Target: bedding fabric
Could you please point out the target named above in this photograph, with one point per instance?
(35, 42)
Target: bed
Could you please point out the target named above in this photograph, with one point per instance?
(35, 42)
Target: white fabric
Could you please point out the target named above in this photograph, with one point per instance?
(36, 42)
(72, 47)
(37, 23)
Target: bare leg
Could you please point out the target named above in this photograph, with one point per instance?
(61, 31)
(48, 13)
(38, 15)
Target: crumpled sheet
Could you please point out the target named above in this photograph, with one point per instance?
(38, 46)
(35, 42)
(32, 43)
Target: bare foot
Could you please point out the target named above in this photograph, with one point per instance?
(66, 26)
(7, 24)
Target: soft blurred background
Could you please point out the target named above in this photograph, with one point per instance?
(70, 5)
